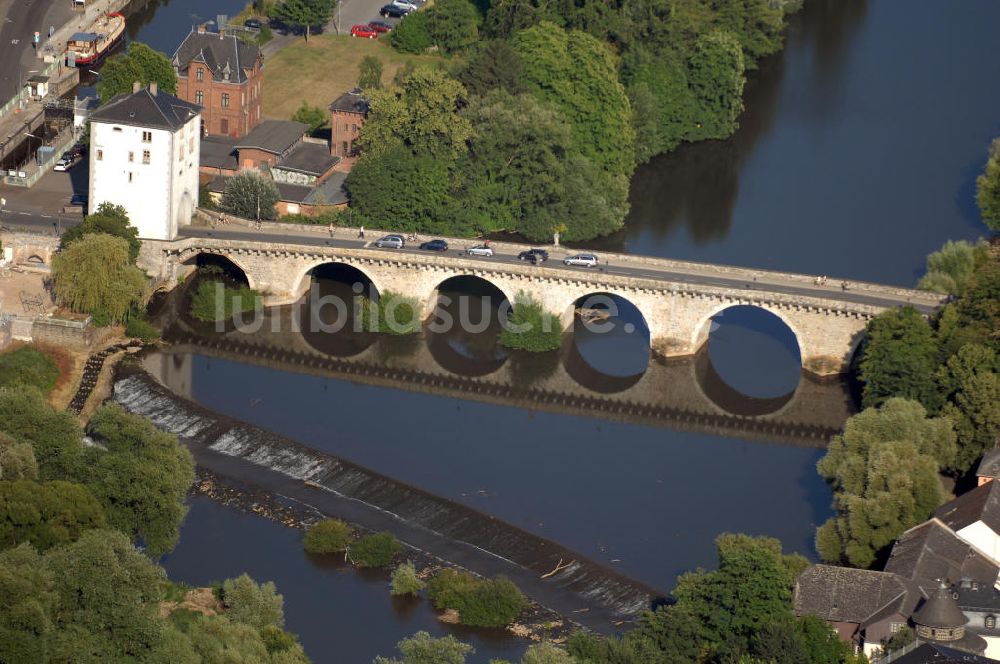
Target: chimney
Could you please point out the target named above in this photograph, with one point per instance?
(201, 28)
(153, 88)
(136, 86)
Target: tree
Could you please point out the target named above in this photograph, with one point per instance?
(674, 631)
(141, 476)
(494, 66)
(405, 581)
(110, 219)
(899, 358)
(26, 600)
(46, 515)
(327, 536)
(716, 75)
(255, 604)
(664, 109)
(377, 550)
(988, 188)
(304, 14)
(140, 63)
(950, 268)
(578, 75)
(453, 25)
(883, 470)
(976, 315)
(17, 460)
(479, 602)
(412, 35)
(250, 195)
(28, 366)
(531, 328)
(314, 116)
(54, 435)
(422, 648)
(757, 25)
(96, 275)
(546, 653)
(971, 385)
(370, 73)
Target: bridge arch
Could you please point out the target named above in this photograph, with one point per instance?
(463, 316)
(703, 329)
(303, 279)
(202, 258)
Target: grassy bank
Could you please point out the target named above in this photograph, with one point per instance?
(322, 69)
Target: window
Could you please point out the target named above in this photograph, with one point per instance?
(145, 156)
(224, 126)
(100, 155)
(131, 157)
(895, 627)
(191, 144)
(181, 155)
(344, 149)
(345, 126)
(991, 622)
(201, 74)
(147, 137)
(130, 176)
(199, 97)
(225, 100)
(354, 127)
(116, 129)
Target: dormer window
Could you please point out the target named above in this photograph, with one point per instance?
(200, 75)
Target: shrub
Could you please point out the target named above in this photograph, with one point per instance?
(327, 536)
(412, 35)
(140, 328)
(530, 328)
(28, 366)
(204, 305)
(405, 580)
(392, 314)
(479, 602)
(376, 550)
(250, 603)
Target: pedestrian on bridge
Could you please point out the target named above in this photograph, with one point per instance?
(361, 233)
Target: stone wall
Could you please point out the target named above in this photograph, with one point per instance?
(76, 334)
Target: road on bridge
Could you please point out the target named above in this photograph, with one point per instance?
(690, 273)
(21, 19)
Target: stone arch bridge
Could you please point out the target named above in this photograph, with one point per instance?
(677, 299)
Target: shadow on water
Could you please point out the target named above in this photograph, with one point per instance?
(463, 332)
(328, 313)
(607, 350)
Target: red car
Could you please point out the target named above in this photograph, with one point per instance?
(380, 26)
(364, 31)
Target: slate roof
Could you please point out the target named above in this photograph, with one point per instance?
(309, 158)
(274, 136)
(293, 193)
(144, 109)
(842, 594)
(219, 152)
(330, 192)
(930, 553)
(980, 504)
(935, 653)
(940, 610)
(351, 102)
(975, 596)
(220, 54)
(990, 465)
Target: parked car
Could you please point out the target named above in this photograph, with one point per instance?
(391, 241)
(406, 4)
(80, 200)
(364, 31)
(581, 260)
(481, 250)
(434, 245)
(380, 26)
(66, 162)
(393, 11)
(534, 255)
(253, 23)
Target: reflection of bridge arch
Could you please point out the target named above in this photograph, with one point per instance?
(303, 280)
(466, 325)
(715, 389)
(192, 258)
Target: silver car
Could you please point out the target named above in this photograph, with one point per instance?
(391, 241)
(481, 250)
(581, 260)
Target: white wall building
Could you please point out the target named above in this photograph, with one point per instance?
(144, 153)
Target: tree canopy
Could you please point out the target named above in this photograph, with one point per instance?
(304, 15)
(988, 188)
(110, 219)
(250, 195)
(139, 63)
(899, 358)
(47, 514)
(96, 275)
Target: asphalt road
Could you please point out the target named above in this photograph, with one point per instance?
(21, 18)
(831, 292)
(37, 222)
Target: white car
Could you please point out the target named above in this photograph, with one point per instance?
(406, 4)
(64, 164)
(581, 260)
(481, 250)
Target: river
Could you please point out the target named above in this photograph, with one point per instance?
(856, 157)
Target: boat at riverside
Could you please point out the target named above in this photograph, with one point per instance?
(85, 48)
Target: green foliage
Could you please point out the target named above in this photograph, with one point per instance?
(479, 602)
(141, 477)
(899, 358)
(140, 63)
(26, 599)
(327, 536)
(453, 25)
(716, 75)
(370, 73)
(975, 318)
(304, 14)
(950, 268)
(28, 366)
(546, 653)
(756, 24)
(578, 75)
(883, 471)
(314, 116)
(392, 314)
(405, 581)
(205, 199)
(376, 550)
(988, 188)
(140, 328)
(96, 275)
(215, 301)
(493, 66)
(250, 195)
(530, 328)
(970, 382)
(422, 648)
(110, 219)
(17, 460)
(900, 639)
(46, 515)
(664, 109)
(413, 34)
(54, 436)
(253, 604)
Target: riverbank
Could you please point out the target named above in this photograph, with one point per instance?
(592, 596)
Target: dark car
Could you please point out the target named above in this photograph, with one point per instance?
(79, 199)
(393, 11)
(534, 255)
(252, 23)
(380, 26)
(434, 245)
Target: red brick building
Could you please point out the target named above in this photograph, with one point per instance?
(347, 116)
(223, 76)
